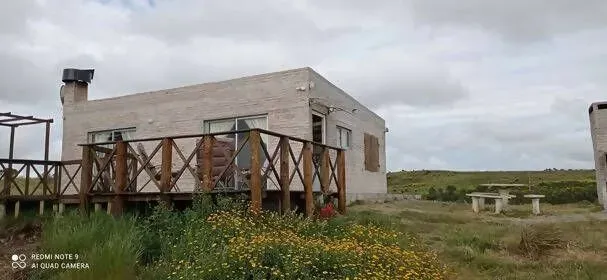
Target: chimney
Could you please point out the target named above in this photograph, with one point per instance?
(76, 85)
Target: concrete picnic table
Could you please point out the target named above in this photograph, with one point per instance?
(478, 200)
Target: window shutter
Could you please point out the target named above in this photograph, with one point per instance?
(371, 144)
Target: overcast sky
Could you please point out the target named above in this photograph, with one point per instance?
(466, 85)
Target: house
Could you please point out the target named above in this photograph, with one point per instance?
(598, 133)
(298, 102)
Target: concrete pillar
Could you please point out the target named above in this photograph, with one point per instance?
(2, 210)
(499, 205)
(481, 203)
(61, 208)
(17, 205)
(536, 206)
(97, 207)
(54, 207)
(41, 208)
(109, 208)
(475, 204)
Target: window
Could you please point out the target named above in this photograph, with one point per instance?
(243, 160)
(111, 135)
(371, 153)
(343, 137)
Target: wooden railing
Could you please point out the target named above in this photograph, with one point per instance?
(125, 167)
(37, 179)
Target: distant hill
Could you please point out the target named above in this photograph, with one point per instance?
(420, 180)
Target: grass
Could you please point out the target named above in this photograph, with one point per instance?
(420, 181)
(490, 246)
(226, 241)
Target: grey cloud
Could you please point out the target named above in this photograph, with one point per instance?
(176, 22)
(518, 20)
(24, 82)
(388, 87)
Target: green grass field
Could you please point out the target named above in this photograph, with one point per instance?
(419, 181)
(567, 241)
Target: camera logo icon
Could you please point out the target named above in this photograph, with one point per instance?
(18, 261)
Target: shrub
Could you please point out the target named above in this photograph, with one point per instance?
(538, 240)
(231, 243)
(558, 192)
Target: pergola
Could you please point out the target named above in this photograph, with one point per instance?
(13, 121)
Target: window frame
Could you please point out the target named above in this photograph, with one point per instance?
(91, 134)
(340, 130)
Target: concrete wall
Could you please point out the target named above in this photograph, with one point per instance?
(598, 132)
(359, 181)
(182, 110)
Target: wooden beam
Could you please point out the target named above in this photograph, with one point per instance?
(166, 168)
(207, 162)
(325, 171)
(341, 181)
(308, 178)
(11, 148)
(285, 177)
(86, 178)
(255, 183)
(121, 178)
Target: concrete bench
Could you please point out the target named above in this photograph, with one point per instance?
(535, 202)
(478, 201)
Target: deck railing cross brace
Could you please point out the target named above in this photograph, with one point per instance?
(296, 164)
(246, 140)
(71, 178)
(186, 163)
(271, 162)
(144, 166)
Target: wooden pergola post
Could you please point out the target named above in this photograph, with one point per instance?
(6, 188)
(285, 174)
(121, 178)
(308, 178)
(255, 183)
(47, 135)
(86, 178)
(341, 181)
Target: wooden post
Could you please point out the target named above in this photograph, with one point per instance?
(308, 178)
(121, 177)
(341, 181)
(207, 162)
(9, 172)
(27, 179)
(86, 178)
(46, 149)
(325, 171)
(255, 184)
(285, 174)
(166, 167)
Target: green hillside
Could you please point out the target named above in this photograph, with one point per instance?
(419, 181)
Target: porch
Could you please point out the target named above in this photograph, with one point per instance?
(271, 169)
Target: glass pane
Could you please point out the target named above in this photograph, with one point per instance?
(220, 126)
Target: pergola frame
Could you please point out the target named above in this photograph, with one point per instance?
(13, 121)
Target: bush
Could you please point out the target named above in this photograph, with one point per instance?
(559, 192)
(228, 242)
(538, 240)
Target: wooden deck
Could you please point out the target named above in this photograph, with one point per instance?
(118, 173)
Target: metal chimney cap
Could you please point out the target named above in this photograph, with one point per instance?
(78, 75)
